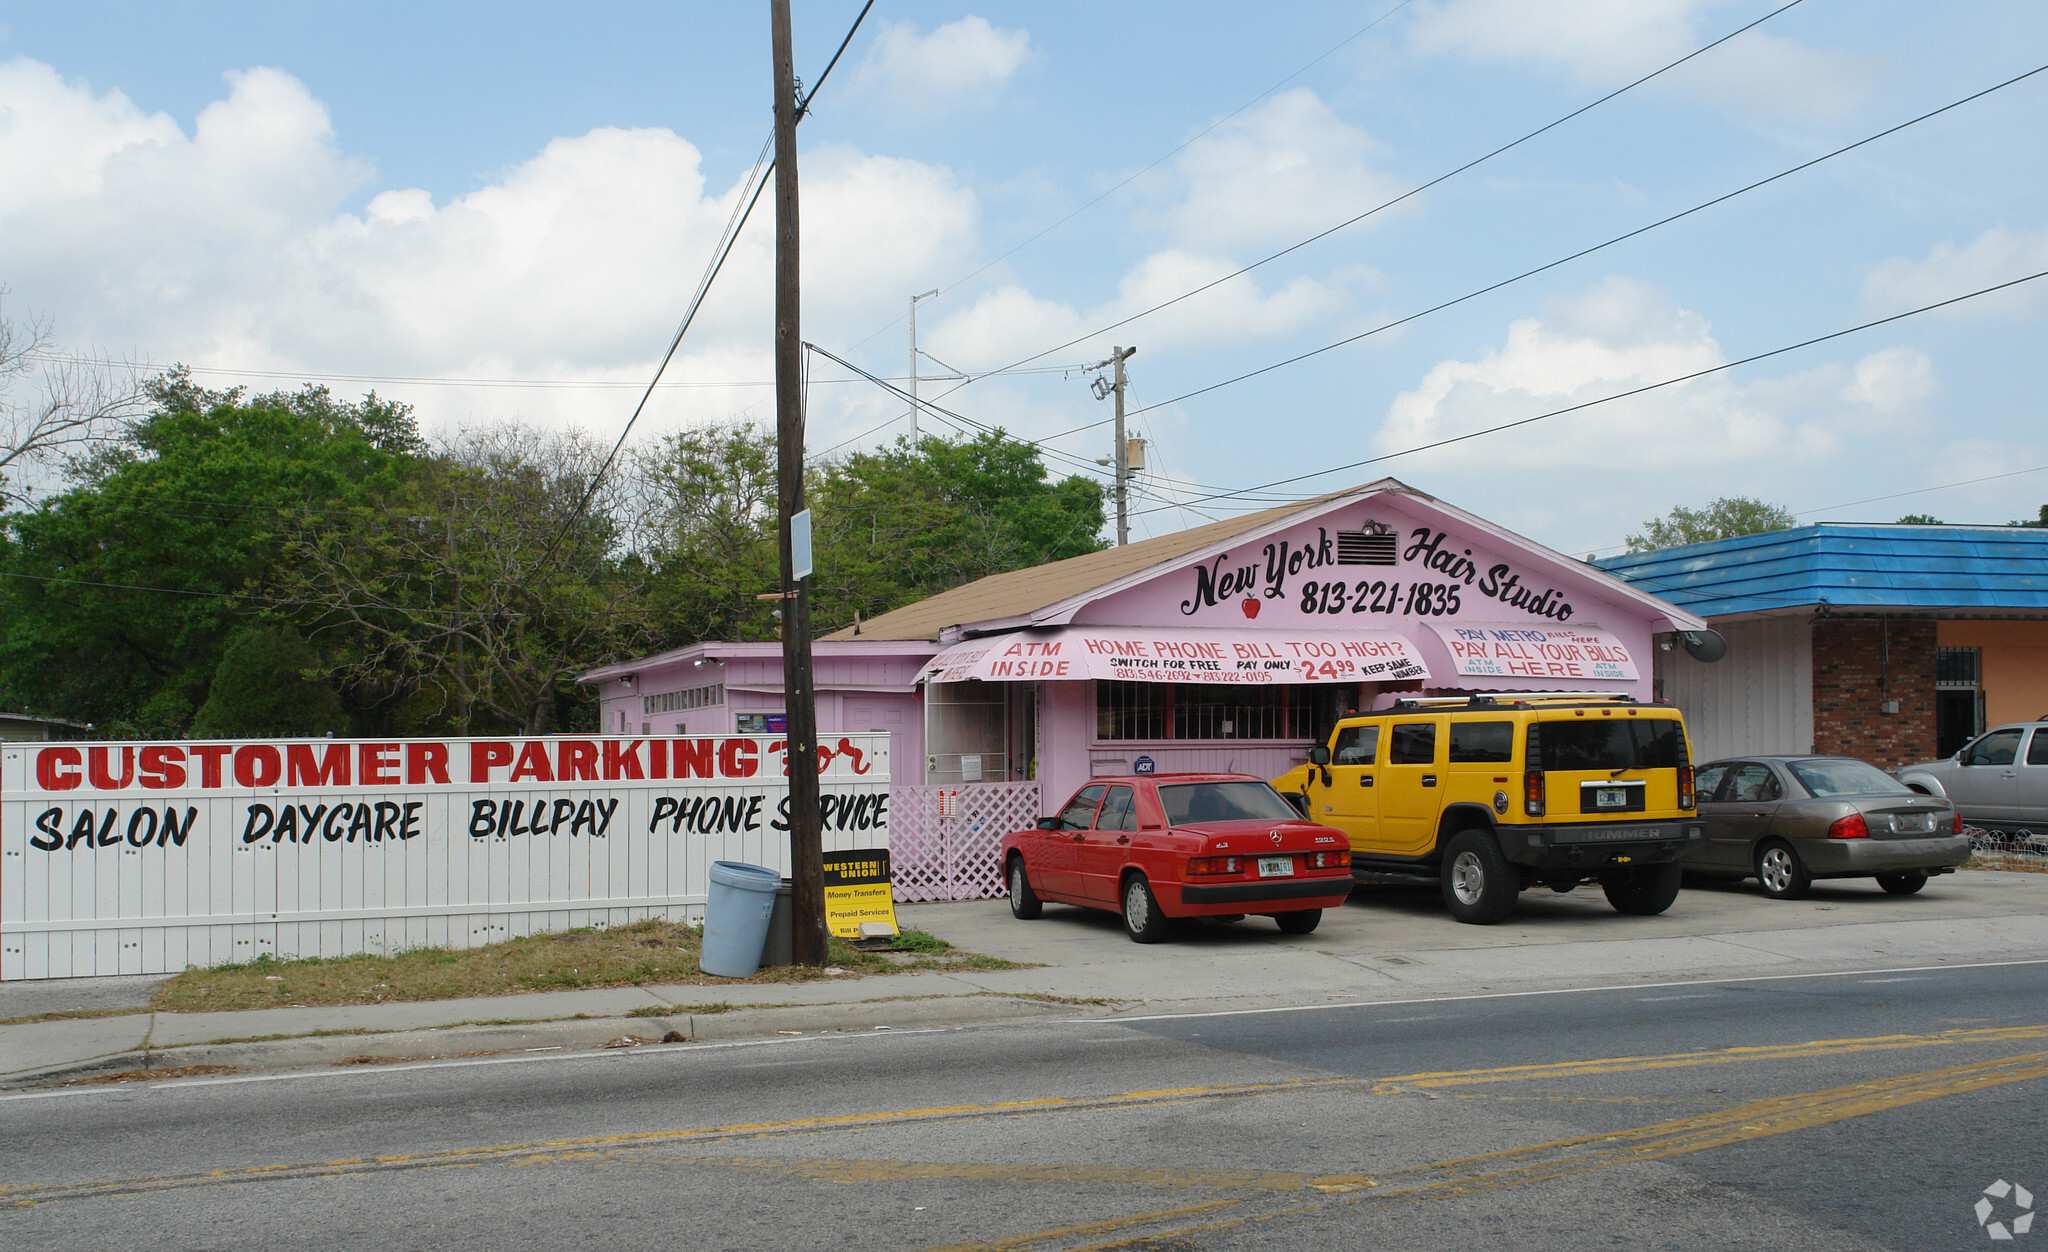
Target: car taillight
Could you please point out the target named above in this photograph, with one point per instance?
(1685, 787)
(1959, 821)
(1850, 827)
(1532, 792)
(1212, 865)
(1328, 860)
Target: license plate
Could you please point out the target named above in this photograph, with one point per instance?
(1913, 823)
(1276, 867)
(1611, 798)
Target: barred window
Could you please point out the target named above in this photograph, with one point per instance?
(1139, 710)
(691, 698)
(1955, 667)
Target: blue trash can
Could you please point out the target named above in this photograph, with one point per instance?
(736, 919)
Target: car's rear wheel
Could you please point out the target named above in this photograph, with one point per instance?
(1643, 890)
(1901, 884)
(1024, 902)
(1478, 884)
(1142, 919)
(1299, 922)
(1779, 872)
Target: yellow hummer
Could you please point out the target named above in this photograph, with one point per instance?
(1490, 795)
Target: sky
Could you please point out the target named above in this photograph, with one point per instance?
(500, 212)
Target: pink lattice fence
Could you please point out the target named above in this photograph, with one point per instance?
(957, 857)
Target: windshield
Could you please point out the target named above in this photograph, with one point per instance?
(1224, 802)
(1613, 744)
(1845, 778)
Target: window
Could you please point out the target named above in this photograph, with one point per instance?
(1753, 784)
(1080, 811)
(1140, 710)
(1490, 743)
(1997, 748)
(1356, 745)
(1708, 782)
(2037, 751)
(1955, 667)
(1224, 802)
(1607, 744)
(1412, 744)
(1118, 812)
(674, 701)
(1823, 779)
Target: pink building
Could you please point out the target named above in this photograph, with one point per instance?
(1231, 646)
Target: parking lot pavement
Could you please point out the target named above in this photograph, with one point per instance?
(1385, 944)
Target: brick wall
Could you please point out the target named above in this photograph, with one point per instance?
(1852, 677)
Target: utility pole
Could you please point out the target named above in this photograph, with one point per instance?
(800, 708)
(1117, 358)
(913, 361)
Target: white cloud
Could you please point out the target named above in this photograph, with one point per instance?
(1604, 43)
(1713, 436)
(230, 246)
(955, 61)
(1010, 322)
(1287, 169)
(1996, 256)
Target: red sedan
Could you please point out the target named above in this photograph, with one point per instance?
(1162, 846)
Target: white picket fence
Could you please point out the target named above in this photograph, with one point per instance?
(958, 857)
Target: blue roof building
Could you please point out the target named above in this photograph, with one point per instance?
(1889, 642)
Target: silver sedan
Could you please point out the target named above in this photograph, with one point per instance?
(1787, 820)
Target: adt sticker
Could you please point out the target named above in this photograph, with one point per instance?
(1143, 765)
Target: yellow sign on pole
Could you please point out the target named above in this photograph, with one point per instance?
(858, 901)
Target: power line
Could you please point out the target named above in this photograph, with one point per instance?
(1333, 50)
(1635, 391)
(1582, 253)
(1415, 191)
(763, 164)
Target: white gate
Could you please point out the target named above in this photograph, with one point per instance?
(955, 857)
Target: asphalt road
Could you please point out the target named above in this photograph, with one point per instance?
(1865, 1110)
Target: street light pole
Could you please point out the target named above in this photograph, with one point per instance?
(800, 709)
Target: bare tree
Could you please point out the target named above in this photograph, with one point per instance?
(78, 403)
(480, 580)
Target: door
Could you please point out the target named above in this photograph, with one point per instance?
(1351, 802)
(2030, 797)
(1986, 787)
(1410, 787)
(1102, 850)
(1742, 816)
(1060, 871)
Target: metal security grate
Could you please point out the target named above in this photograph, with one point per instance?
(1356, 547)
(1955, 667)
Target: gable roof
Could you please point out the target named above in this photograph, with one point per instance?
(1985, 568)
(1050, 593)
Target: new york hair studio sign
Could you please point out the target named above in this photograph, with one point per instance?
(149, 857)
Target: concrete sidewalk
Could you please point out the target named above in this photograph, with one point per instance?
(1386, 944)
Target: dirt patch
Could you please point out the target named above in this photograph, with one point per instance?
(150, 1075)
(649, 952)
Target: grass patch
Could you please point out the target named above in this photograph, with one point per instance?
(650, 952)
(65, 1015)
(2013, 866)
(150, 1075)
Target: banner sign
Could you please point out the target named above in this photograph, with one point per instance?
(1520, 650)
(1192, 655)
(857, 893)
(149, 857)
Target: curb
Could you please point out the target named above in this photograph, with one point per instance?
(565, 1034)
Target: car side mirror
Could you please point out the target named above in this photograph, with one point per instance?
(1048, 823)
(1319, 755)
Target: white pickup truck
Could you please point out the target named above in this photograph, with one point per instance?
(1998, 781)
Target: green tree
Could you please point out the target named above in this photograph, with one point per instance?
(477, 588)
(705, 505)
(1919, 519)
(117, 596)
(270, 683)
(1725, 518)
(2039, 521)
